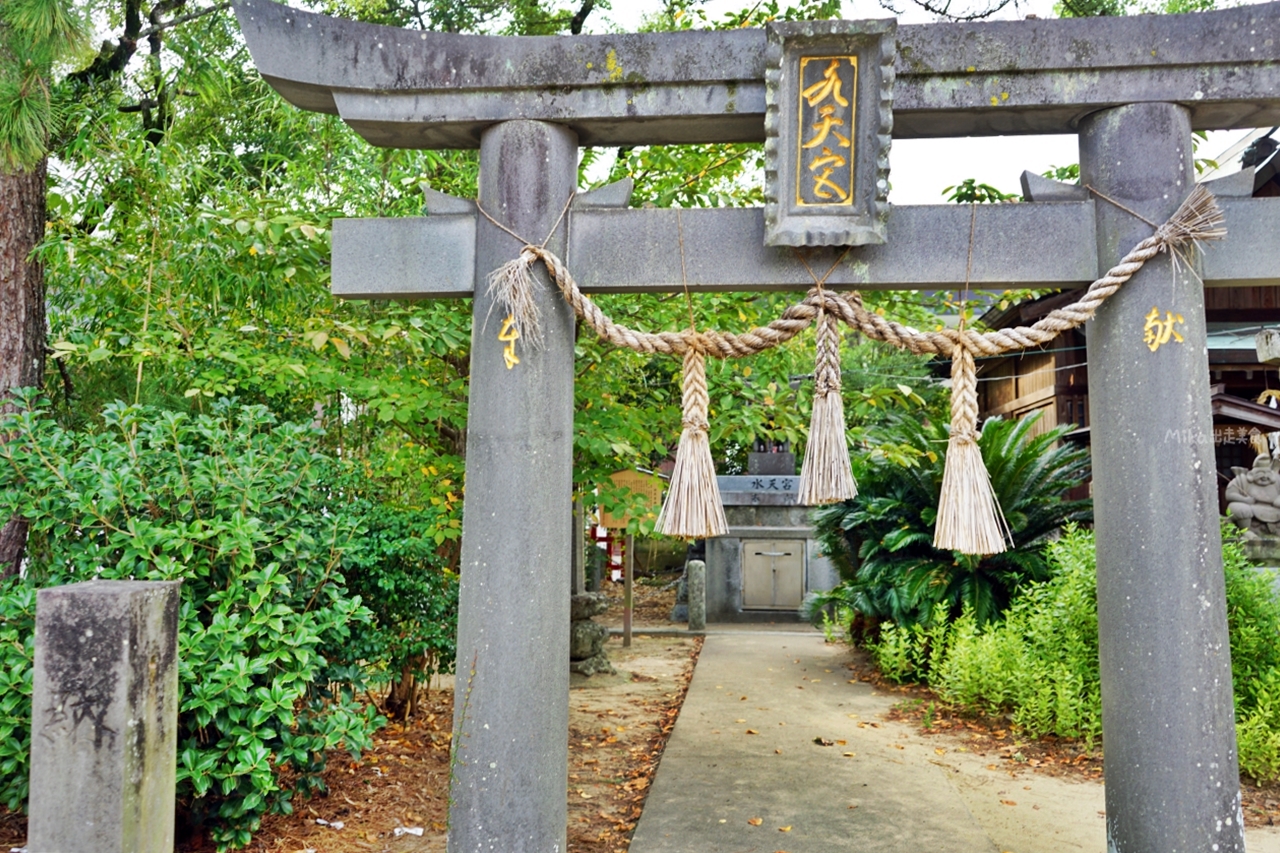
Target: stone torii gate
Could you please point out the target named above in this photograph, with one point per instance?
(1134, 89)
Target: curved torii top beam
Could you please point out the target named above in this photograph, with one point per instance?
(409, 89)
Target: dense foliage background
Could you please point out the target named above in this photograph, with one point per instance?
(1040, 664)
(882, 540)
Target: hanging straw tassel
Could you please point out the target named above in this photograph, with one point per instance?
(826, 476)
(693, 509)
(969, 516)
(511, 288)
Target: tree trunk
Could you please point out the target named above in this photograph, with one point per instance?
(22, 319)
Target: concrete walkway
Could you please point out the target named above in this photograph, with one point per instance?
(742, 766)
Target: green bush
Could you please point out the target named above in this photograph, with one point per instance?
(17, 654)
(396, 566)
(882, 540)
(230, 503)
(1041, 663)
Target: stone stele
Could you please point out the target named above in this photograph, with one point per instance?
(104, 718)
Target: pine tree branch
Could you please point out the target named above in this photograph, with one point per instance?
(580, 17)
(199, 13)
(113, 59)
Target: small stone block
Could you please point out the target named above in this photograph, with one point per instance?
(697, 574)
(1268, 344)
(772, 463)
(104, 718)
(1236, 185)
(1039, 188)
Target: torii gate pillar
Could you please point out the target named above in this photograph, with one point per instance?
(1167, 710)
(511, 722)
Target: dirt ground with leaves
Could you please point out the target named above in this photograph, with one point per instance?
(652, 601)
(618, 726)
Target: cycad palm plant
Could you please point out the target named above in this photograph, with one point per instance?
(883, 539)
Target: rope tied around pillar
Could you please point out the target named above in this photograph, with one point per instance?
(1196, 220)
(510, 286)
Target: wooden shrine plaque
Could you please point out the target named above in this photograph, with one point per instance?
(828, 119)
(648, 485)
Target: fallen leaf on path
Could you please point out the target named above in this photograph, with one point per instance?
(842, 742)
(784, 829)
(755, 821)
(1009, 802)
(777, 752)
(898, 746)
(939, 750)
(821, 741)
(850, 754)
(752, 732)
(739, 721)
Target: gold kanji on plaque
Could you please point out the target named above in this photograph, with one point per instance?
(827, 106)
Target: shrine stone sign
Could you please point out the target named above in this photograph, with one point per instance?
(760, 490)
(1133, 90)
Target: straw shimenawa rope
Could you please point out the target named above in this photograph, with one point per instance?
(693, 508)
(969, 516)
(1197, 219)
(826, 476)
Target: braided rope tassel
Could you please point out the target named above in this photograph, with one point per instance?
(511, 288)
(969, 516)
(693, 509)
(826, 476)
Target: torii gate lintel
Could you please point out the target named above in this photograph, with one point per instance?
(614, 249)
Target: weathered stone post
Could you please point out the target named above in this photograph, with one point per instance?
(697, 583)
(577, 564)
(1167, 711)
(511, 704)
(104, 718)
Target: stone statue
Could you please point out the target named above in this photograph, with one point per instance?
(587, 638)
(1253, 498)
